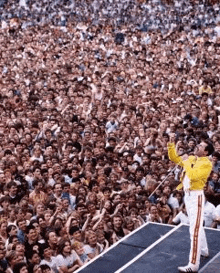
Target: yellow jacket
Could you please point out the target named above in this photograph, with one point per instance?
(197, 169)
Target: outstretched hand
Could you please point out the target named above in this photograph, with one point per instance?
(172, 137)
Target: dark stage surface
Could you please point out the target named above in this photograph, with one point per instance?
(155, 248)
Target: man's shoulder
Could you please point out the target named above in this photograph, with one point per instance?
(208, 161)
(191, 158)
(205, 161)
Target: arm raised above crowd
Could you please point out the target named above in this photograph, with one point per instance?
(173, 156)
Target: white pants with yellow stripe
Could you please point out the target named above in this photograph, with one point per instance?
(194, 201)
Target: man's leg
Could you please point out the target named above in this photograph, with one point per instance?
(195, 205)
(204, 245)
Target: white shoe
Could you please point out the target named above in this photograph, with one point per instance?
(188, 268)
(205, 254)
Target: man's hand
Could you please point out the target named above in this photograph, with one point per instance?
(172, 137)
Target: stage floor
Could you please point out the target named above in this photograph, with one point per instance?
(155, 248)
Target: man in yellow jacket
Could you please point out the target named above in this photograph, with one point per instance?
(196, 170)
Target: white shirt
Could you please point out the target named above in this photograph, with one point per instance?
(66, 261)
(143, 182)
(111, 127)
(52, 264)
(173, 202)
(88, 249)
(181, 218)
(217, 215)
(137, 158)
(149, 219)
(209, 214)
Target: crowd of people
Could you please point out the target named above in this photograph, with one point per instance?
(90, 93)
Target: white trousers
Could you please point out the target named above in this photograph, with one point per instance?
(194, 201)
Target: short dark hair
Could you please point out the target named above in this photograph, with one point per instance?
(11, 184)
(36, 182)
(8, 152)
(43, 267)
(9, 228)
(73, 229)
(18, 267)
(10, 238)
(216, 154)
(19, 220)
(29, 227)
(209, 148)
(5, 198)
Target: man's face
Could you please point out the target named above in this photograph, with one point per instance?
(52, 238)
(117, 222)
(58, 189)
(92, 239)
(117, 199)
(75, 173)
(167, 190)
(91, 208)
(214, 159)
(37, 173)
(47, 252)
(200, 149)
(39, 186)
(139, 174)
(20, 249)
(191, 144)
(32, 235)
(77, 235)
(81, 210)
(65, 204)
(215, 177)
(69, 166)
(88, 153)
(13, 190)
(153, 210)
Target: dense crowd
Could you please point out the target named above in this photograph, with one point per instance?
(90, 93)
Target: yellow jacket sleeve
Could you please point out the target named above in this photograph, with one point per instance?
(173, 156)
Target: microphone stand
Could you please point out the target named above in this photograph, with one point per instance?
(163, 180)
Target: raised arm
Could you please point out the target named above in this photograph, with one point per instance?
(173, 156)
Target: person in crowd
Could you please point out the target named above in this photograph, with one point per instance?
(67, 260)
(48, 259)
(154, 215)
(118, 230)
(92, 248)
(20, 268)
(79, 248)
(181, 217)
